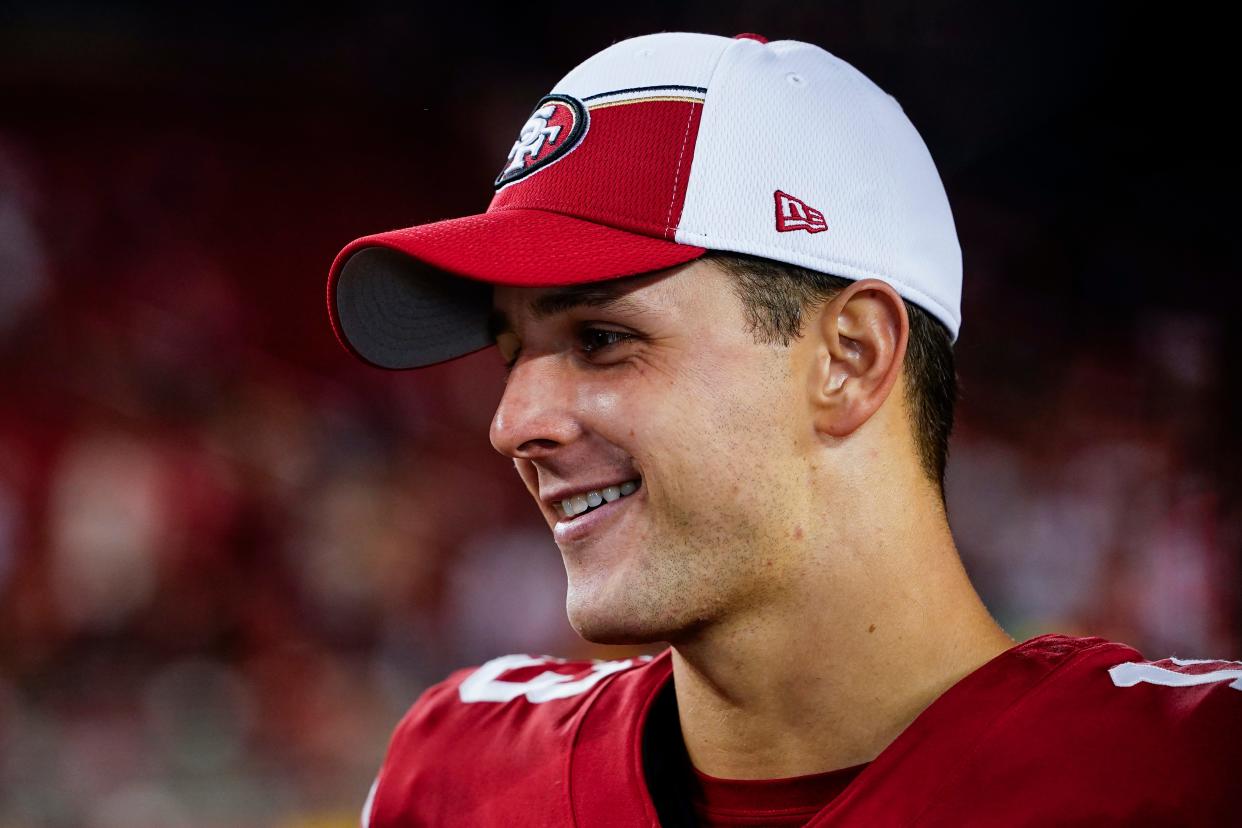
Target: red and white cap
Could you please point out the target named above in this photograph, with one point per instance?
(645, 156)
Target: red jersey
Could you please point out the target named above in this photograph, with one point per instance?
(1055, 730)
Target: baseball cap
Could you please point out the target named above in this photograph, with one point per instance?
(647, 155)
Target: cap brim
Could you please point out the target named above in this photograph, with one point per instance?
(415, 297)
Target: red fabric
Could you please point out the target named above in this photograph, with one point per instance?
(529, 248)
(629, 171)
(1041, 735)
(607, 208)
(778, 803)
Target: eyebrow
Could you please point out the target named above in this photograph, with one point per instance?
(607, 296)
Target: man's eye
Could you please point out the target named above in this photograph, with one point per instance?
(597, 339)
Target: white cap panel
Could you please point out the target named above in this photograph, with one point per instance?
(927, 251)
(789, 116)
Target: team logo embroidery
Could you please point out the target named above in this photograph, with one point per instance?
(554, 128)
(795, 214)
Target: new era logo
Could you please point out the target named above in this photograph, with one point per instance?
(795, 214)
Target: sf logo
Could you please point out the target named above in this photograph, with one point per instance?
(532, 137)
(555, 128)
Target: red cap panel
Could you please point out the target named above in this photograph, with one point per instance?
(630, 170)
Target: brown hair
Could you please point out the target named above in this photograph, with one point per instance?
(776, 297)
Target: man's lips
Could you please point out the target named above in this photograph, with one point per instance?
(571, 529)
(569, 502)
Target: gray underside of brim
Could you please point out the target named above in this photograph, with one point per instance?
(399, 312)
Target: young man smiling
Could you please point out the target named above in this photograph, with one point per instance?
(725, 279)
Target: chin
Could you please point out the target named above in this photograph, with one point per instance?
(603, 618)
(600, 624)
(613, 635)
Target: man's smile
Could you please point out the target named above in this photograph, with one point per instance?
(569, 506)
(593, 510)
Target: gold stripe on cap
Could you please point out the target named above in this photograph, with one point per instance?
(607, 104)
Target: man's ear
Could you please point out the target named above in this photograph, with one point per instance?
(859, 341)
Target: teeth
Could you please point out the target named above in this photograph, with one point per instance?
(576, 505)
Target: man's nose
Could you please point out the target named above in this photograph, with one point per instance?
(535, 415)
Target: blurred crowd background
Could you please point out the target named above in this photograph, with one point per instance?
(230, 556)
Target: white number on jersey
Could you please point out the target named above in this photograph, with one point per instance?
(1133, 672)
(485, 685)
(365, 822)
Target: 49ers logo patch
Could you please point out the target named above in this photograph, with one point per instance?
(554, 129)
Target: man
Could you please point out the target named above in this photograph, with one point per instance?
(725, 279)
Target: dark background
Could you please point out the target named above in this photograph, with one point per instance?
(230, 556)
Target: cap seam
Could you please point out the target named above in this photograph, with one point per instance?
(710, 86)
(672, 202)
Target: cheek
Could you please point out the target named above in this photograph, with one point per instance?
(630, 408)
(606, 405)
(714, 436)
(737, 440)
(702, 432)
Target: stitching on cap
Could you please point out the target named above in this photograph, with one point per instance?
(729, 46)
(668, 220)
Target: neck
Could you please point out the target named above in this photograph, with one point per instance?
(830, 672)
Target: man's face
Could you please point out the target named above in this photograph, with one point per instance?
(655, 380)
